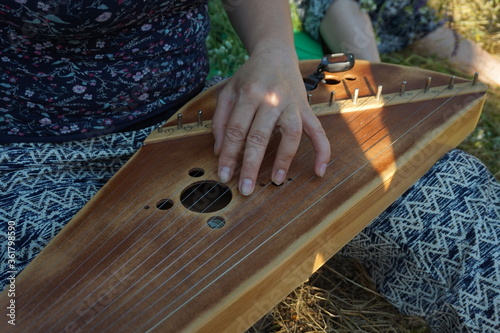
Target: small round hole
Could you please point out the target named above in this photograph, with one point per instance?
(196, 172)
(146, 207)
(350, 77)
(290, 179)
(216, 222)
(165, 204)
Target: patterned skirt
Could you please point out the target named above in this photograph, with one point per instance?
(433, 253)
(396, 23)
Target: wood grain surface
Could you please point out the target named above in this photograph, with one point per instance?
(140, 256)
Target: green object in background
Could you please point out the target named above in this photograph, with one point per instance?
(306, 47)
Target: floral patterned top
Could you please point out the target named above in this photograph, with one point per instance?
(71, 69)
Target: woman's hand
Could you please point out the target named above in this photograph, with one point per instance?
(266, 92)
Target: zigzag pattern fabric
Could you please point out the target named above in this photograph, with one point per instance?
(433, 253)
(43, 185)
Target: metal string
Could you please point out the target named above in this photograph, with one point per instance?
(183, 243)
(236, 224)
(181, 282)
(277, 232)
(117, 246)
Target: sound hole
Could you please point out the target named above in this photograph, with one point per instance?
(206, 196)
(196, 172)
(164, 204)
(216, 222)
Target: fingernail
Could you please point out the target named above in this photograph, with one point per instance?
(279, 176)
(246, 186)
(224, 174)
(322, 170)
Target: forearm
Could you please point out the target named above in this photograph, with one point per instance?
(262, 24)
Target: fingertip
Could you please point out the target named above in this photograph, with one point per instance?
(246, 186)
(322, 170)
(224, 174)
(279, 176)
(322, 161)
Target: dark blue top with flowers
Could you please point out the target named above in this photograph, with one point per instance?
(71, 69)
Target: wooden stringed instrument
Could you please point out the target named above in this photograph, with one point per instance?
(165, 247)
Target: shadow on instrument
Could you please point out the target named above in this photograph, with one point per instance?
(165, 247)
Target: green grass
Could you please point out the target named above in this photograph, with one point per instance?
(225, 49)
(340, 296)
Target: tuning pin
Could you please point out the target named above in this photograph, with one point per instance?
(332, 98)
(474, 80)
(451, 85)
(309, 98)
(355, 97)
(427, 84)
(179, 121)
(403, 88)
(200, 118)
(379, 92)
